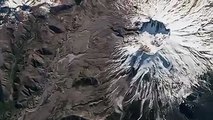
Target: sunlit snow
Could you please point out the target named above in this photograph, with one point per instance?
(168, 71)
(16, 3)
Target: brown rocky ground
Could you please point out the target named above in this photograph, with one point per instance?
(51, 64)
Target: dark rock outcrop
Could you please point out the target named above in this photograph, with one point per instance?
(60, 8)
(44, 51)
(78, 2)
(55, 29)
(86, 81)
(73, 117)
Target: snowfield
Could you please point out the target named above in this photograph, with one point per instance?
(164, 74)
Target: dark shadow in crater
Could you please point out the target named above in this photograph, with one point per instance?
(153, 27)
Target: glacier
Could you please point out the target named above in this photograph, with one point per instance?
(161, 65)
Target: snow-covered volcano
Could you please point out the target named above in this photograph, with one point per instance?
(161, 65)
(161, 50)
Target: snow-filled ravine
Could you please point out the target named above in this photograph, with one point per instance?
(162, 64)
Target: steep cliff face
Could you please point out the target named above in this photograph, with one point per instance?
(106, 60)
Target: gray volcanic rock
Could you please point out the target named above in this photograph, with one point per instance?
(1, 58)
(55, 61)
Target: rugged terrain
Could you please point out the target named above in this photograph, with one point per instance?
(93, 60)
(51, 62)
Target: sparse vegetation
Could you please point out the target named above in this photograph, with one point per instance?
(5, 110)
(18, 47)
